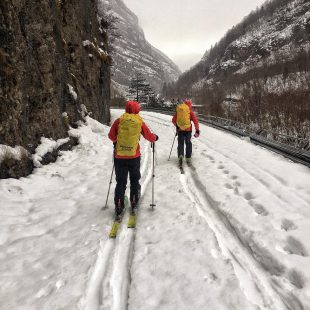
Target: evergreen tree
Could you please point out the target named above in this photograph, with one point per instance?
(140, 89)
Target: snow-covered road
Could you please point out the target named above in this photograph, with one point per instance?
(231, 233)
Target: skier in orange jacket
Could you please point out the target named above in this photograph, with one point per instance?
(125, 134)
(182, 119)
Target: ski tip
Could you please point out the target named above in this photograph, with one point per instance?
(112, 234)
(114, 230)
(132, 221)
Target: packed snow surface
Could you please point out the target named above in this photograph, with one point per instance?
(231, 233)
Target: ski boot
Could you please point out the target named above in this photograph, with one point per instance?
(134, 203)
(133, 212)
(181, 164)
(180, 160)
(119, 211)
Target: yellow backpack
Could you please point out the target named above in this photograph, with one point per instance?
(183, 116)
(128, 135)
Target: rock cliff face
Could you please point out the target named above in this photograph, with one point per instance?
(52, 60)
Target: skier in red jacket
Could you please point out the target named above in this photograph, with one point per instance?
(125, 134)
(182, 120)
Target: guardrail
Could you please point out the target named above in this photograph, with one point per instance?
(294, 148)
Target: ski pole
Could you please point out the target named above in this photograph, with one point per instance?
(106, 202)
(153, 176)
(172, 146)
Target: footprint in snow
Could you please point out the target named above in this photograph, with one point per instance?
(211, 277)
(248, 196)
(220, 167)
(237, 184)
(15, 189)
(296, 278)
(228, 186)
(208, 156)
(234, 177)
(288, 225)
(258, 208)
(236, 191)
(294, 246)
(226, 171)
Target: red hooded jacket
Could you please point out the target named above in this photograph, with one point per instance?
(192, 117)
(132, 107)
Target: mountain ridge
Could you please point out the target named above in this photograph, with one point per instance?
(132, 52)
(262, 65)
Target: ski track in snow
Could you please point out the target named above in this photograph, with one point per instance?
(110, 280)
(258, 285)
(253, 279)
(227, 202)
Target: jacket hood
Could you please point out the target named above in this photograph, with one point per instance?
(132, 107)
(188, 103)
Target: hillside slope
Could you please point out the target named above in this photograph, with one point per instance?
(133, 52)
(261, 64)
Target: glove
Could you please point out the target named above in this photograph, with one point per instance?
(197, 133)
(156, 138)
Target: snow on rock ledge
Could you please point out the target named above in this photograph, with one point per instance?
(14, 162)
(47, 146)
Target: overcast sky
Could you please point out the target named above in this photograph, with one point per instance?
(185, 29)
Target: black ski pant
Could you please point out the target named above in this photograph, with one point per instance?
(122, 168)
(184, 137)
